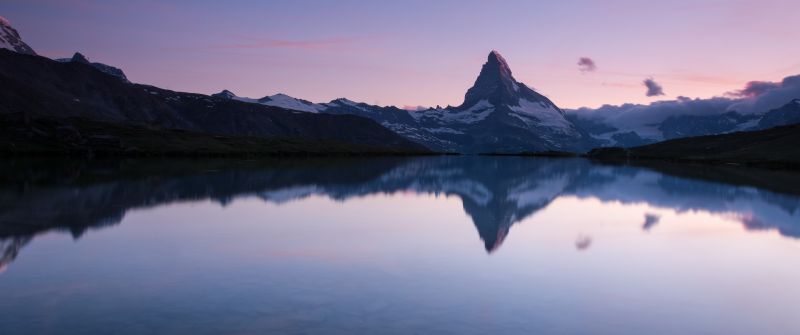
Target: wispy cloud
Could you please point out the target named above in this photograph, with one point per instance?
(586, 64)
(653, 88)
(318, 44)
(413, 108)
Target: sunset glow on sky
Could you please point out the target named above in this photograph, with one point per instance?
(410, 53)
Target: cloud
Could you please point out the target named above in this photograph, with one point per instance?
(411, 108)
(586, 64)
(762, 96)
(754, 89)
(291, 44)
(653, 88)
(636, 117)
(583, 242)
(650, 220)
(759, 98)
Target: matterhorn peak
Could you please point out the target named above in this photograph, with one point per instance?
(501, 65)
(497, 86)
(10, 39)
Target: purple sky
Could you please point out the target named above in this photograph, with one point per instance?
(409, 53)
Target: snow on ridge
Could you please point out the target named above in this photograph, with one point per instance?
(288, 102)
(250, 100)
(4, 44)
(7, 37)
(341, 102)
(347, 101)
(548, 115)
(444, 130)
(747, 125)
(476, 113)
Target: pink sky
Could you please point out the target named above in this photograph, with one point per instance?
(410, 53)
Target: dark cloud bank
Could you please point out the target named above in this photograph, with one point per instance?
(755, 97)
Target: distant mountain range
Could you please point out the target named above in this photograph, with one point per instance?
(498, 114)
(501, 115)
(78, 106)
(632, 127)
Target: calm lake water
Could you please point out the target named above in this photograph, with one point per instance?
(448, 245)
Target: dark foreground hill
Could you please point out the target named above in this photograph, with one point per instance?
(49, 106)
(775, 147)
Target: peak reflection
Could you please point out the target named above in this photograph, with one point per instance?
(496, 192)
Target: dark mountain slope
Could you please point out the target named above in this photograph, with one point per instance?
(39, 88)
(785, 115)
(772, 147)
(108, 69)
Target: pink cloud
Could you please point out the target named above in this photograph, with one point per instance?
(413, 108)
(291, 44)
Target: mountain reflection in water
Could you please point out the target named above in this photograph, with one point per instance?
(496, 192)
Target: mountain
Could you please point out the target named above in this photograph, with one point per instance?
(10, 39)
(74, 98)
(498, 115)
(635, 125)
(786, 115)
(680, 126)
(502, 115)
(774, 147)
(107, 69)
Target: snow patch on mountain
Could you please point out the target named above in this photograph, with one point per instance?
(544, 114)
(285, 101)
(107, 69)
(10, 39)
(476, 113)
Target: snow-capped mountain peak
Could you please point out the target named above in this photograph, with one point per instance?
(496, 86)
(107, 69)
(10, 39)
(494, 83)
(225, 94)
(345, 101)
(276, 100)
(288, 102)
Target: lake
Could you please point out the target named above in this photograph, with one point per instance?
(454, 245)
